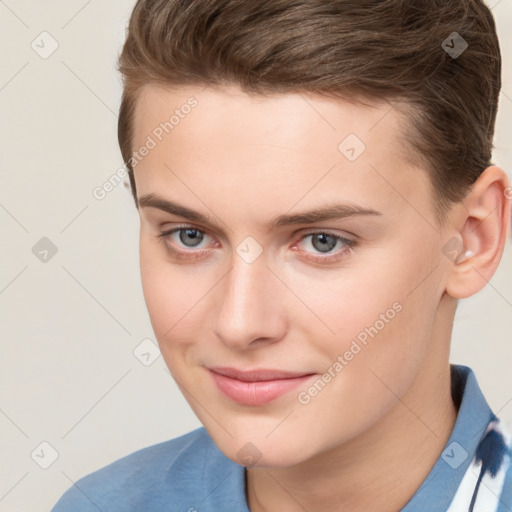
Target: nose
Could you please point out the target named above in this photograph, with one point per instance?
(250, 312)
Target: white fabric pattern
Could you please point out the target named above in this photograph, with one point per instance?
(490, 488)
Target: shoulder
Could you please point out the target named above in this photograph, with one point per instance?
(142, 478)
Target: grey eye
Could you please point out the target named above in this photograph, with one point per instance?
(191, 235)
(323, 242)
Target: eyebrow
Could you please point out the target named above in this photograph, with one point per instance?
(328, 212)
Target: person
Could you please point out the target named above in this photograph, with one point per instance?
(316, 194)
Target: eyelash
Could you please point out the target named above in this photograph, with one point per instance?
(192, 255)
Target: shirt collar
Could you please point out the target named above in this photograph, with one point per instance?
(438, 489)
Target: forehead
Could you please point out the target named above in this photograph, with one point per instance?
(294, 143)
(224, 109)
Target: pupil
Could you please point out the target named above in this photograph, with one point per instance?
(193, 235)
(323, 237)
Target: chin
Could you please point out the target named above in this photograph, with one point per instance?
(258, 452)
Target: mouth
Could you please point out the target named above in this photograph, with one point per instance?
(256, 387)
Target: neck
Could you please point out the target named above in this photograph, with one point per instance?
(380, 469)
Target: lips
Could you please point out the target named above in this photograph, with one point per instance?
(256, 387)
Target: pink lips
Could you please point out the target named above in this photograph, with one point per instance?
(256, 387)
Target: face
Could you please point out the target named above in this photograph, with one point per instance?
(303, 317)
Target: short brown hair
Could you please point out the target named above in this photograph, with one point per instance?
(376, 49)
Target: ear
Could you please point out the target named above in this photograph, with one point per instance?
(482, 227)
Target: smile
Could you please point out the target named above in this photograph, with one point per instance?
(256, 387)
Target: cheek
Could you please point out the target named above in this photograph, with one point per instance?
(178, 303)
(364, 301)
(168, 291)
(382, 317)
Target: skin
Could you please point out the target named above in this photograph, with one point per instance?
(368, 439)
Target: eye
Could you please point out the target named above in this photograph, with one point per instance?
(190, 235)
(183, 236)
(324, 242)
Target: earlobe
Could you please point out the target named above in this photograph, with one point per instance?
(484, 224)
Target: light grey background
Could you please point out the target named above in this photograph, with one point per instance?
(68, 327)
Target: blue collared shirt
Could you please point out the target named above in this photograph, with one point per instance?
(190, 474)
